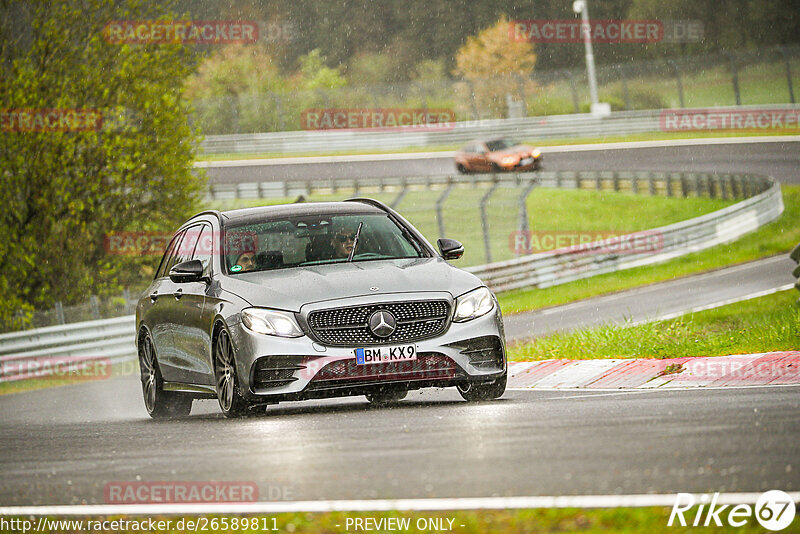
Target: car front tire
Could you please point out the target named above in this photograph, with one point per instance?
(483, 392)
(230, 399)
(389, 396)
(158, 403)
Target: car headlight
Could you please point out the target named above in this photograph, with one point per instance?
(271, 322)
(508, 160)
(536, 153)
(473, 304)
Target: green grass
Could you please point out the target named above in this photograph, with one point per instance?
(649, 136)
(549, 210)
(775, 238)
(765, 324)
(556, 520)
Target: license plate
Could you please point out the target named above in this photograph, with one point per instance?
(398, 353)
(526, 161)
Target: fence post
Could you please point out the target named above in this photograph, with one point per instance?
(472, 98)
(95, 305)
(575, 102)
(734, 77)
(782, 50)
(485, 221)
(521, 90)
(59, 313)
(401, 195)
(677, 72)
(625, 94)
(524, 225)
(279, 109)
(440, 204)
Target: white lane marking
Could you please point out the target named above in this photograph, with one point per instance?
(686, 387)
(374, 505)
(589, 395)
(450, 154)
(713, 305)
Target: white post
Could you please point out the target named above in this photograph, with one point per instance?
(580, 6)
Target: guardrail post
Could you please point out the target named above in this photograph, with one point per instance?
(782, 50)
(615, 177)
(677, 72)
(651, 185)
(669, 185)
(736, 187)
(684, 186)
(485, 221)
(598, 181)
(635, 184)
(440, 205)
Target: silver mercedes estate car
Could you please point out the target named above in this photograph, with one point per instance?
(312, 300)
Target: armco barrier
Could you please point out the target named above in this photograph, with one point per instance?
(543, 127)
(106, 339)
(561, 266)
(113, 339)
(795, 255)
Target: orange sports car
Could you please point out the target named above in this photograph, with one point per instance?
(496, 155)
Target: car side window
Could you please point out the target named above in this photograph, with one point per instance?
(204, 248)
(166, 260)
(185, 250)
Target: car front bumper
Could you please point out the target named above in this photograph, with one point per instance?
(272, 368)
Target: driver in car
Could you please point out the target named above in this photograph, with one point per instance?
(343, 241)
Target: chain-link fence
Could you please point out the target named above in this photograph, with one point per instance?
(761, 76)
(94, 308)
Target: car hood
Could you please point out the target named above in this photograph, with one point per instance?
(289, 289)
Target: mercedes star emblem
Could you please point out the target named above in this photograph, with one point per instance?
(382, 323)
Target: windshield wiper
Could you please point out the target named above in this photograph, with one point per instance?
(355, 242)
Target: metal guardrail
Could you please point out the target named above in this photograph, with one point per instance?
(561, 266)
(795, 255)
(543, 127)
(112, 340)
(50, 351)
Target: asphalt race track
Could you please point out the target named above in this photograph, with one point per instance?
(63, 445)
(780, 159)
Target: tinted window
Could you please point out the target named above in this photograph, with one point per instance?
(500, 144)
(312, 240)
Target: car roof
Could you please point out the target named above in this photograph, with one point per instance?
(299, 209)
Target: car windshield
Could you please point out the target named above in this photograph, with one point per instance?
(500, 144)
(313, 240)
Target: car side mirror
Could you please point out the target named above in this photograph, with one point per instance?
(187, 271)
(450, 249)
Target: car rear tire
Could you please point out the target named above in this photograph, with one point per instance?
(496, 168)
(230, 399)
(483, 392)
(158, 403)
(384, 397)
(461, 169)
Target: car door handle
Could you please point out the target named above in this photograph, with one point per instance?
(153, 297)
(178, 293)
